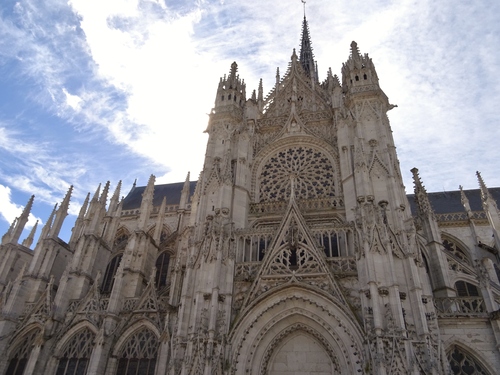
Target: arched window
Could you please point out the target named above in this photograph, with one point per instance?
(76, 356)
(465, 289)
(162, 263)
(138, 356)
(109, 275)
(19, 357)
(456, 250)
(462, 363)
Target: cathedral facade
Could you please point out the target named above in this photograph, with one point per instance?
(297, 251)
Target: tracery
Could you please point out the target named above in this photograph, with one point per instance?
(19, 357)
(138, 355)
(312, 173)
(76, 356)
(462, 363)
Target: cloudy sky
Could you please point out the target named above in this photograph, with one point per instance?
(94, 90)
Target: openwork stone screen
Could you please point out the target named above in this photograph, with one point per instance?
(311, 170)
(75, 358)
(19, 358)
(462, 363)
(138, 356)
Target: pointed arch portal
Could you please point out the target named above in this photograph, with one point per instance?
(296, 323)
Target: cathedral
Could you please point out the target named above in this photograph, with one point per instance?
(297, 251)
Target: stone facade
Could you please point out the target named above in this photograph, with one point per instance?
(297, 251)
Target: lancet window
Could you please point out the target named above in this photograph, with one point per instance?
(462, 363)
(334, 243)
(19, 357)
(138, 356)
(162, 263)
(252, 247)
(109, 276)
(76, 355)
(311, 171)
(465, 289)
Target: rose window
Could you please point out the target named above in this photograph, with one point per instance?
(309, 169)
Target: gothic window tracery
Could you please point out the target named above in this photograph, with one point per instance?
(76, 356)
(455, 250)
(465, 289)
(138, 356)
(121, 239)
(109, 276)
(310, 169)
(162, 263)
(19, 357)
(462, 363)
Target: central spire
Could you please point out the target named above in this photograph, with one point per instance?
(306, 53)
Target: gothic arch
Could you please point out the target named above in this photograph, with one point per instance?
(165, 231)
(143, 328)
(459, 248)
(19, 350)
(328, 159)
(260, 330)
(455, 343)
(61, 345)
(137, 326)
(121, 239)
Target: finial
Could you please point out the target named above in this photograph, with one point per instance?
(464, 200)
(303, 2)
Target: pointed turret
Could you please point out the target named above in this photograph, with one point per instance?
(104, 196)
(115, 199)
(421, 198)
(48, 224)
(61, 214)
(77, 229)
(232, 90)
(21, 222)
(465, 202)
(260, 96)
(146, 204)
(359, 70)
(28, 241)
(7, 236)
(490, 209)
(159, 222)
(185, 193)
(306, 53)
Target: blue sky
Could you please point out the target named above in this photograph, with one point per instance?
(92, 91)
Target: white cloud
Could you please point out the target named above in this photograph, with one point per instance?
(10, 210)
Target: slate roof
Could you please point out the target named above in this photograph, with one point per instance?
(449, 201)
(171, 191)
(441, 202)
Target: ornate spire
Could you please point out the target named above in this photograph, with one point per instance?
(104, 195)
(28, 241)
(421, 198)
(48, 224)
(61, 214)
(465, 201)
(159, 222)
(485, 194)
(21, 221)
(306, 53)
(6, 237)
(113, 203)
(146, 204)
